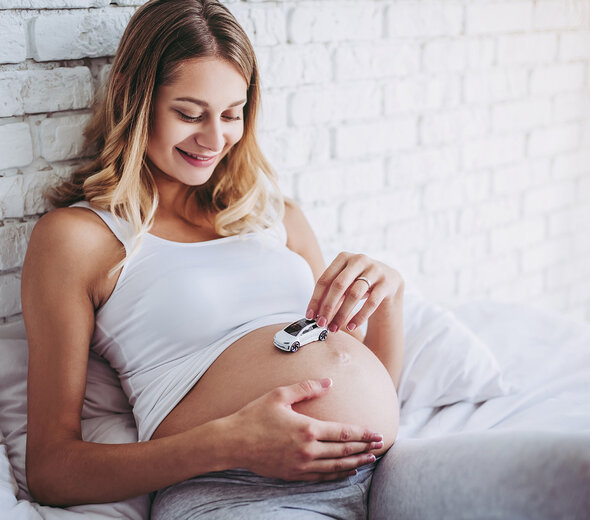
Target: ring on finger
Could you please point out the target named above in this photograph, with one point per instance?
(366, 280)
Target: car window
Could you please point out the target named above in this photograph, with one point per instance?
(296, 327)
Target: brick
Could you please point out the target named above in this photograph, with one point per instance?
(315, 23)
(296, 147)
(11, 197)
(16, 146)
(457, 55)
(571, 165)
(548, 198)
(368, 243)
(572, 271)
(416, 168)
(285, 66)
(14, 238)
(498, 18)
(34, 184)
(69, 36)
(376, 60)
(323, 220)
(13, 47)
(52, 4)
(571, 106)
(569, 219)
(263, 25)
(422, 93)
(454, 126)
(488, 215)
(377, 211)
(524, 288)
(521, 115)
(441, 195)
(555, 15)
(415, 19)
(339, 181)
(486, 274)
(504, 84)
(574, 45)
(520, 177)
(493, 151)
(10, 303)
(558, 78)
(11, 101)
(334, 104)
(62, 138)
(454, 254)
(527, 49)
(546, 254)
(551, 141)
(58, 89)
(375, 138)
(418, 233)
(520, 235)
(273, 110)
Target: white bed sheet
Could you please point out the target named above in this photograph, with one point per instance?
(546, 358)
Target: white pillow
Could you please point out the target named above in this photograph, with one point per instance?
(106, 418)
(444, 361)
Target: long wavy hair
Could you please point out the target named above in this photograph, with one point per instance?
(242, 192)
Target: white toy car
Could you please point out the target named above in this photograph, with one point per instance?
(299, 333)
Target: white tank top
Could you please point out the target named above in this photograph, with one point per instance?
(177, 306)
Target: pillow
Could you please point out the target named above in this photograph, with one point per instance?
(106, 418)
(444, 361)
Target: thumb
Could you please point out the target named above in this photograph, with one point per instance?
(304, 390)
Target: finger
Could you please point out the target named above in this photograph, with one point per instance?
(302, 391)
(357, 291)
(368, 308)
(323, 284)
(335, 450)
(341, 465)
(338, 432)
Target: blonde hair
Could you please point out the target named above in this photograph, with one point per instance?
(242, 192)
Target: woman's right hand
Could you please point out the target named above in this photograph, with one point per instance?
(273, 440)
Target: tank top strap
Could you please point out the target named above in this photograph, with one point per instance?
(119, 227)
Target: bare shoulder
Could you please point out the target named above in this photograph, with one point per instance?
(75, 244)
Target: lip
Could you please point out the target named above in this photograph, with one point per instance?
(193, 161)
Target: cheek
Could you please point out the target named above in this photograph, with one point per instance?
(235, 134)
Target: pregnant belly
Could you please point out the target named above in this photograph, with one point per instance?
(362, 394)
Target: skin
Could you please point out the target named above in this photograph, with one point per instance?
(65, 281)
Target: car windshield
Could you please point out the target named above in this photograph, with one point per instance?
(295, 328)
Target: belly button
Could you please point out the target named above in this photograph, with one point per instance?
(343, 357)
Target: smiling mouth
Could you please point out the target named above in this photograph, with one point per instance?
(197, 156)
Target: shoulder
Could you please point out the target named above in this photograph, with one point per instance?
(75, 243)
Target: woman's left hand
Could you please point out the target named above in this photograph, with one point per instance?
(346, 281)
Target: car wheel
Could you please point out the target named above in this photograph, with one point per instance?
(323, 335)
(295, 347)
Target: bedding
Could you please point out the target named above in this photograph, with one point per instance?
(481, 367)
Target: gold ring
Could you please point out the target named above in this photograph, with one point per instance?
(366, 280)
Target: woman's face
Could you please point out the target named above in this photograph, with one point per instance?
(197, 119)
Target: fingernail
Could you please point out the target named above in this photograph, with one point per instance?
(309, 315)
(333, 328)
(371, 458)
(353, 473)
(376, 437)
(376, 445)
(351, 326)
(322, 321)
(326, 382)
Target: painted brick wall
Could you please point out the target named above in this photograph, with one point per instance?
(449, 138)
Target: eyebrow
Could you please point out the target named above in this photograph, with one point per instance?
(205, 104)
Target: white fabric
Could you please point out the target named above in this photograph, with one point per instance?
(547, 357)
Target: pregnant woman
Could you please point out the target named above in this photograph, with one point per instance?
(174, 256)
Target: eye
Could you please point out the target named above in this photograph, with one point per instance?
(231, 118)
(189, 119)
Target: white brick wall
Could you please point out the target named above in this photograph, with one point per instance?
(449, 138)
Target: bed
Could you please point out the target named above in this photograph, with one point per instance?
(495, 419)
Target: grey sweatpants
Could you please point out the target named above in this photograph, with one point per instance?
(238, 494)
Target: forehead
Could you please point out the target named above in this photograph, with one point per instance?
(213, 80)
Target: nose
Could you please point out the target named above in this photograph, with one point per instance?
(211, 136)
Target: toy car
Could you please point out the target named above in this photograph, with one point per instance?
(299, 333)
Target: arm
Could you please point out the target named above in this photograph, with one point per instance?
(64, 264)
(337, 292)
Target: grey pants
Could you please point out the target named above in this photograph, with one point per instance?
(241, 495)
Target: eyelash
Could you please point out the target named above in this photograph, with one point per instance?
(198, 119)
